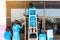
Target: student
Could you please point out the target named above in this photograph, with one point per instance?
(7, 34)
(30, 6)
(16, 30)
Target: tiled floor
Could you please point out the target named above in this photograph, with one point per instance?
(22, 37)
(57, 37)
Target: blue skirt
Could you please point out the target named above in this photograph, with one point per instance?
(16, 36)
(7, 39)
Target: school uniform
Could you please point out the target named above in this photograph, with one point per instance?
(16, 32)
(7, 35)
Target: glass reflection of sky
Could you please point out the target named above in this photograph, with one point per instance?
(40, 12)
(52, 12)
(49, 12)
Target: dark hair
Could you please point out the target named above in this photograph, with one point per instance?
(31, 4)
(7, 29)
(18, 22)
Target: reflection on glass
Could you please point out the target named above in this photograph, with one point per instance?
(52, 12)
(53, 23)
(40, 12)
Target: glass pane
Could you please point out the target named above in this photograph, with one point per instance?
(17, 14)
(38, 5)
(52, 12)
(52, 4)
(54, 23)
(40, 12)
(53, 9)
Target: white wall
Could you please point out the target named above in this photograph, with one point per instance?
(32, 0)
(2, 18)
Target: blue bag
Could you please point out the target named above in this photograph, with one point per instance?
(42, 36)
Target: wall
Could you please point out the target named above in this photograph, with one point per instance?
(11, 5)
(33, 0)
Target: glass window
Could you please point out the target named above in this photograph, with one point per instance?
(53, 23)
(38, 5)
(40, 12)
(52, 12)
(52, 8)
(52, 4)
